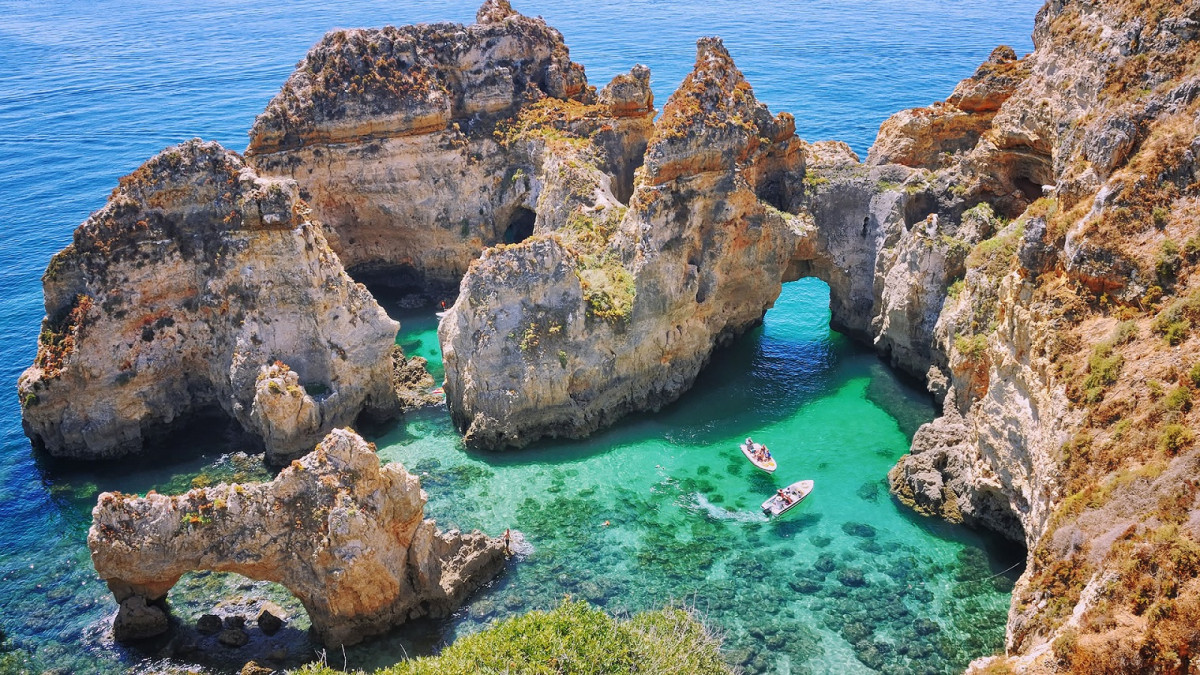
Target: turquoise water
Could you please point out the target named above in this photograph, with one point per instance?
(92, 89)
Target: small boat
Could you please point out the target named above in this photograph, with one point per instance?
(796, 492)
(748, 449)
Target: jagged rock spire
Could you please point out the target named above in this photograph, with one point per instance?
(712, 120)
(494, 11)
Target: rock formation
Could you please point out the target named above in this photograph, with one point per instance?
(203, 287)
(343, 533)
(1030, 247)
(1069, 353)
(615, 309)
(1020, 246)
(397, 138)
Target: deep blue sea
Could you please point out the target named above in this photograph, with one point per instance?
(89, 90)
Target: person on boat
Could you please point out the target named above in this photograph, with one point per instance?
(766, 453)
(784, 496)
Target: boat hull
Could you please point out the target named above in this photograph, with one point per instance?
(775, 506)
(769, 466)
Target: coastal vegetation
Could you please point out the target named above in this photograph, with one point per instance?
(574, 639)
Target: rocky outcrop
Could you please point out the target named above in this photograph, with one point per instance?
(930, 137)
(1017, 246)
(400, 138)
(203, 287)
(344, 534)
(618, 309)
(1058, 342)
(414, 383)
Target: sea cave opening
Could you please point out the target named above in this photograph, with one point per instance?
(520, 226)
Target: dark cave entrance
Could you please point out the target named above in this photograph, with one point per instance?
(917, 208)
(520, 227)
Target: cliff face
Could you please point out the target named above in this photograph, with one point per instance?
(617, 309)
(1027, 246)
(397, 138)
(1071, 363)
(197, 288)
(345, 535)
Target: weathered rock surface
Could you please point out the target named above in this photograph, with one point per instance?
(398, 138)
(175, 300)
(413, 381)
(344, 534)
(993, 243)
(929, 137)
(1057, 337)
(618, 310)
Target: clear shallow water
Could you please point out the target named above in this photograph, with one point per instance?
(93, 89)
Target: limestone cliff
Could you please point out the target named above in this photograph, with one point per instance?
(616, 309)
(202, 287)
(1028, 246)
(343, 533)
(1071, 363)
(398, 139)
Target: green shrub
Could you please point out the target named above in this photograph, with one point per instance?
(1125, 332)
(1194, 374)
(1175, 322)
(1168, 263)
(1103, 367)
(1064, 646)
(995, 256)
(955, 289)
(573, 638)
(971, 347)
(1191, 247)
(1160, 216)
(1178, 400)
(1174, 439)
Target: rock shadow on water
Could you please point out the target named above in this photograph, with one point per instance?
(205, 450)
(790, 524)
(902, 397)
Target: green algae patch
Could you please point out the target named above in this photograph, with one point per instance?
(574, 638)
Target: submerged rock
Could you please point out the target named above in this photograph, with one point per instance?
(233, 637)
(137, 619)
(209, 624)
(268, 623)
(345, 535)
(175, 300)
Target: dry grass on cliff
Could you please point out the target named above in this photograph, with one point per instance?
(1130, 489)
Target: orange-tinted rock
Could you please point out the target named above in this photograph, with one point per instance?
(197, 274)
(344, 534)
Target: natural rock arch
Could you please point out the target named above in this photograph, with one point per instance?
(342, 533)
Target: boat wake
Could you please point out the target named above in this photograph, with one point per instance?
(726, 514)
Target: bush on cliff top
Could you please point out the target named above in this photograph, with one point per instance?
(573, 638)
